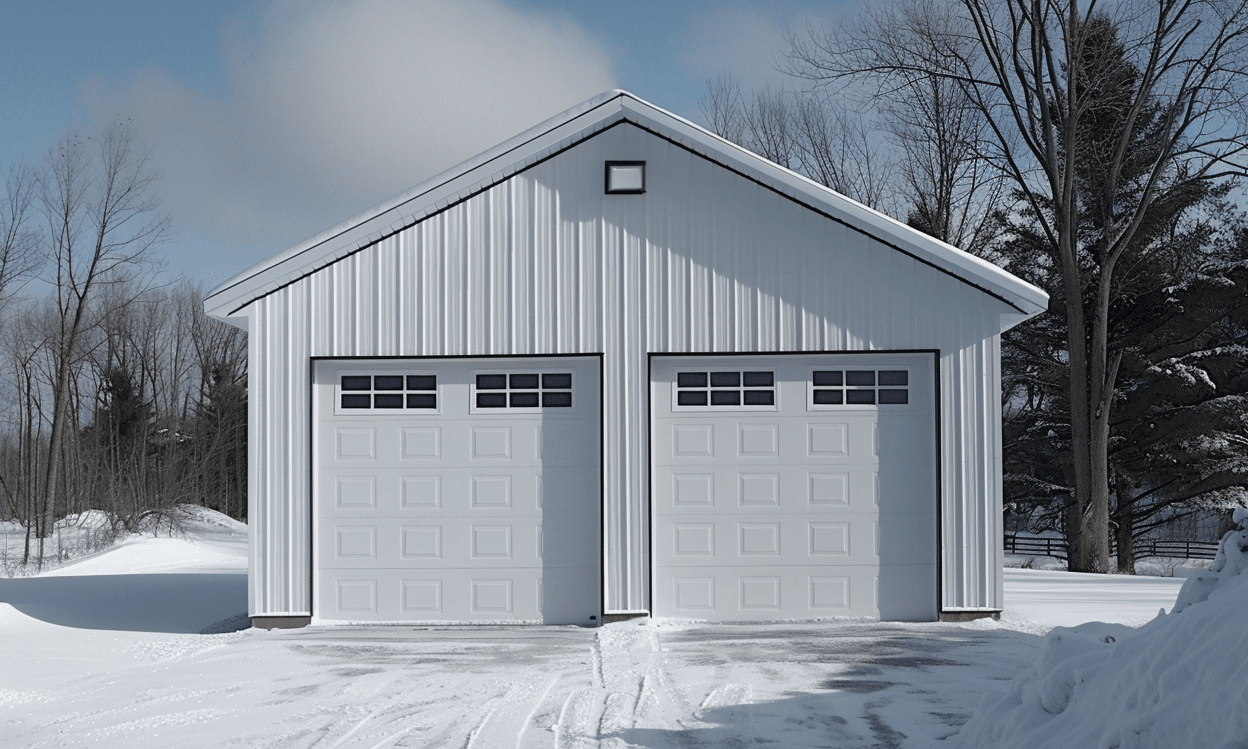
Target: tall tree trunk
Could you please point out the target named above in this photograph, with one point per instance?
(1124, 531)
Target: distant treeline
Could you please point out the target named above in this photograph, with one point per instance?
(117, 392)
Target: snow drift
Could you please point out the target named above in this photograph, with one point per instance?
(1179, 681)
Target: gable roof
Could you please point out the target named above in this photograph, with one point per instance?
(566, 130)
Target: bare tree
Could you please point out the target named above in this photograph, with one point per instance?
(952, 191)
(803, 131)
(1030, 68)
(98, 202)
(19, 245)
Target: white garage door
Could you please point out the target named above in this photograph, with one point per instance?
(794, 486)
(457, 490)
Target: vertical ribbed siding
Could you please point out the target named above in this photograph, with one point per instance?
(544, 263)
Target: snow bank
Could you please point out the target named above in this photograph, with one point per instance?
(1179, 681)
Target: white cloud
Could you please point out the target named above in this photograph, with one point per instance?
(749, 40)
(333, 105)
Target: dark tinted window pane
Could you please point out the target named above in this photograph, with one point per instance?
(390, 400)
(422, 400)
(491, 400)
(760, 397)
(524, 381)
(691, 398)
(491, 382)
(557, 380)
(561, 400)
(890, 377)
(691, 379)
(356, 401)
(758, 379)
(524, 400)
(828, 379)
(828, 397)
(357, 382)
(860, 396)
(860, 378)
(725, 397)
(725, 379)
(422, 382)
(388, 382)
(894, 396)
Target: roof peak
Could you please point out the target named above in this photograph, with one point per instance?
(575, 124)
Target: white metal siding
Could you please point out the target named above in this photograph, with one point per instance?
(545, 263)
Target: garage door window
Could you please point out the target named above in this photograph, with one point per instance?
(859, 387)
(698, 389)
(524, 390)
(388, 391)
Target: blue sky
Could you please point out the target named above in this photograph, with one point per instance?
(270, 120)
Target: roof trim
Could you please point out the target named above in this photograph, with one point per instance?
(570, 128)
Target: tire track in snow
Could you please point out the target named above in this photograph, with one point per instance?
(572, 727)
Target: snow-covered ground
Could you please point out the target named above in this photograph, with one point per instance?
(105, 652)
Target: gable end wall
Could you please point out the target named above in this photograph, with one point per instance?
(545, 263)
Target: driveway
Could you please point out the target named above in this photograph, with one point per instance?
(842, 684)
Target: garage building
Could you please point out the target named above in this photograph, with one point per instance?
(619, 366)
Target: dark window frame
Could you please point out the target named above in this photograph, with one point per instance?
(387, 392)
(606, 178)
(526, 392)
(849, 387)
(728, 389)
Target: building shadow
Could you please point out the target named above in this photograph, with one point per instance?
(173, 603)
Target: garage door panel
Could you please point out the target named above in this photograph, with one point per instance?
(803, 503)
(462, 514)
(567, 494)
(903, 491)
(763, 594)
(905, 440)
(898, 596)
(906, 538)
(564, 547)
(690, 541)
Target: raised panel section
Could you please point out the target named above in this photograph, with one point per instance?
(829, 440)
(491, 443)
(759, 539)
(421, 491)
(693, 490)
(357, 543)
(829, 539)
(491, 492)
(357, 443)
(357, 492)
(759, 489)
(422, 542)
(694, 595)
(693, 540)
(760, 593)
(422, 443)
(829, 593)
(759, 440)
(828, 488)
(357, 596)
(491, 596)
(491, 542)
(693, 441)
(422, 596)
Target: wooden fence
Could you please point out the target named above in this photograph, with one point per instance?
(1056, 547)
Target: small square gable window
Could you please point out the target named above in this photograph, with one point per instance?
(626, 177)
